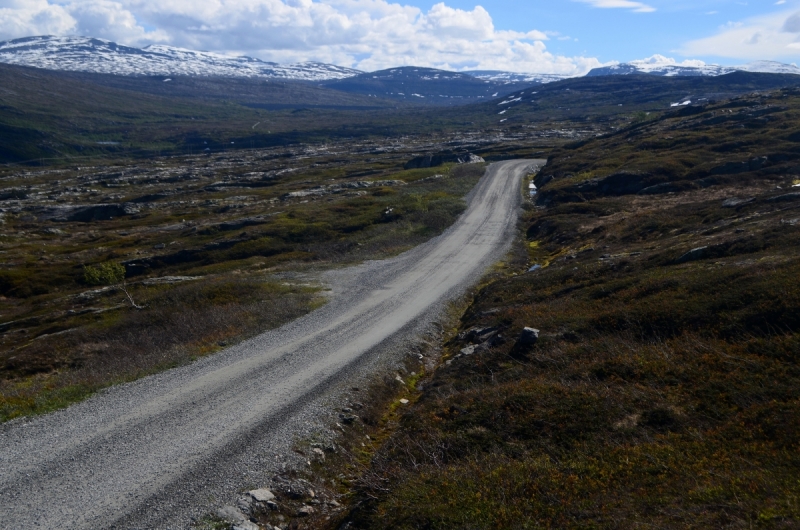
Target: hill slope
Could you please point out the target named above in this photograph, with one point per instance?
(48, 114)
(662, 389)
(616, 98)
(424, 86)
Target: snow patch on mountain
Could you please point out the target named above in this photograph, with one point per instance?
(86, 54)
(499, 76)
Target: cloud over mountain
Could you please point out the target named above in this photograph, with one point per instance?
(364, 34)
(775, 35)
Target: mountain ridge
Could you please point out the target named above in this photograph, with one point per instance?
(664, 66)
(87, 54)
(94, 55)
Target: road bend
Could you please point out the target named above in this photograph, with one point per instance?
(156, 452)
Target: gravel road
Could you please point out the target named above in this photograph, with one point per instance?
(159, 451)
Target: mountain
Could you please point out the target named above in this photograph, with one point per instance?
(85, 54)
(664, 66)
(424, 86)
(500, 76)
(606, 99)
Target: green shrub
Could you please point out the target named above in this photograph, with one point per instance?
(107, 273)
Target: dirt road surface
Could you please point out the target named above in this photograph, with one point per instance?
(159, 451)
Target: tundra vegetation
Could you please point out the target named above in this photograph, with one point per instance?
(114, 271)
(662, 391)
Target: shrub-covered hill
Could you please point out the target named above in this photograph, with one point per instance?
(692, 148)
(663, 389)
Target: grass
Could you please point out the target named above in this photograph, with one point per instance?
(178, 325)
(662, 390)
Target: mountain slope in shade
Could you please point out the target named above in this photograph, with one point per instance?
(426, 86)
(85, 54)
(664, 66)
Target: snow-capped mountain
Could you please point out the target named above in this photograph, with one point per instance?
(665, 66)
(771, 67)
(499, 76)
(85, 54)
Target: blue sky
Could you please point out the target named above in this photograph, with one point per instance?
(562, 37)
(622, 34)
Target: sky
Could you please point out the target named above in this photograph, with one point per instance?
(566, 37)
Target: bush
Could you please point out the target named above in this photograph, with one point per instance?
(107, 273)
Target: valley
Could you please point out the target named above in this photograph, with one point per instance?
(408, 298)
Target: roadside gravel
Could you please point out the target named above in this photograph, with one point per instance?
(160, 451)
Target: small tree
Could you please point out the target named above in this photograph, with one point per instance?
(109, 273)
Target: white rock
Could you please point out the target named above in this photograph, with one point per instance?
(262, 495)
(469, 350)
(245, 525)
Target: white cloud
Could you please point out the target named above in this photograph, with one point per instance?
(365, 34)
(636, 7)
(22, 18)
(775, 36)
(792, 24)
(109, 20)
(662, 61)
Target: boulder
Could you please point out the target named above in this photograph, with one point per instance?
(231, 514)
(305, 511)
(528, 337)
(262, 495)
(734, 202)
(693, 255)
(479, 335)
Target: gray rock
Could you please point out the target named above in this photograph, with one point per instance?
(693, 255)
(733, 202)
(245, 504)
(305, 511)
(231, 514)
(528, 337)
(262, 495)
(469, 350)
(347, 419)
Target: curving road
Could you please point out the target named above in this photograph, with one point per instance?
(156, 452)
